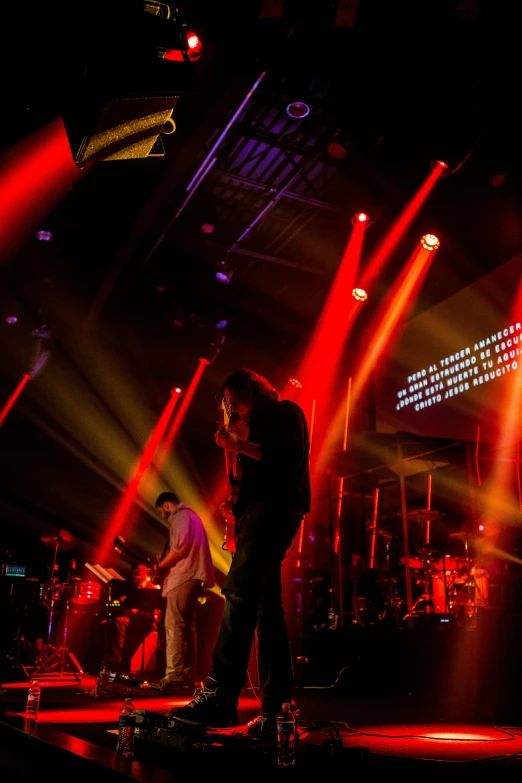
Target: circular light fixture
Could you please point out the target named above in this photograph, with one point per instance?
(298, 110)
(194, 46)
(207, 228)
(175, 390)
(224, 272)
(11, 319)
(296, 383)
(430, 242)
(222, 324)
(359, 294)
(360, 219)
(445, 170)
(497, 180)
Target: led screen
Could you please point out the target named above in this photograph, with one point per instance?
(449, 370)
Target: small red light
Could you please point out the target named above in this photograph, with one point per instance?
(176, 390)
(360, 218)
(295, 383)
(174, 55)
(194, 46)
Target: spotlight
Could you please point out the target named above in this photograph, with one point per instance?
(194, 46)
(222, 324)
(176, 390)
(207, 228)
(430, 242)
(224, 272)
(11, 319)
(298, 110)
(445, 169)
(296, 383)
(44, 236)
(359, 294)
(360, 219)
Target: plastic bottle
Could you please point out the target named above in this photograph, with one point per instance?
(33, 700)
(126, 724)
(286, 735)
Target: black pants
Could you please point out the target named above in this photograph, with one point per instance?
(253, 605)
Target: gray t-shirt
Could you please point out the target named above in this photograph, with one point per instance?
(188, 536)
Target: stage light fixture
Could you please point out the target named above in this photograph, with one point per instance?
(194, 46)
(360, 219)
(298, 110)
(44, 236)
(224, 271)
(430, 242)
(175, 390)
(222, 323)
(359, 294)
(444, 167)
(118, 107)
(295, 382)
(11, 319)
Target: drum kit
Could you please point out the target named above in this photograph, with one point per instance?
(442, 583)
(59, 599)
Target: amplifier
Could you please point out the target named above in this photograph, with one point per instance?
(161, 728)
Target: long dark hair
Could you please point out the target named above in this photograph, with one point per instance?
(248, 385)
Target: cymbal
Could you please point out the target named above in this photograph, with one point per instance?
(63, 540)
(459, 536)
(425, 515)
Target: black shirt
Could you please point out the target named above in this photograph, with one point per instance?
(282, 476)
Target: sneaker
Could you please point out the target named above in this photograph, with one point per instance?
(210, 706)
(264, 725)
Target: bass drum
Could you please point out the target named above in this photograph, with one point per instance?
(373, 598)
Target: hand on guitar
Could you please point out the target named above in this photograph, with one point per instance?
(227, 439)
(226, 508)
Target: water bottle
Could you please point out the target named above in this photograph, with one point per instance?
(33, 700)
(286, 735)
(126, 724)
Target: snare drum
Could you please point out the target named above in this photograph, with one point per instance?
(86, 593)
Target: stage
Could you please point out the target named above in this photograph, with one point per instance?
(431, 696)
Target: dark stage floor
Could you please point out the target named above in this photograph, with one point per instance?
(427, 697)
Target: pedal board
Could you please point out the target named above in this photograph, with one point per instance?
(162, 729)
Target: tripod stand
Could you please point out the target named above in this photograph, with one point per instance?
(58, 660)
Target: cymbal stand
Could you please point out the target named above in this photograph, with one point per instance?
(61, 657)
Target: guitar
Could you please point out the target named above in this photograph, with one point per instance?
(120, 545)
(233, 470)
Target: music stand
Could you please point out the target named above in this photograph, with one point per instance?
(107, 576)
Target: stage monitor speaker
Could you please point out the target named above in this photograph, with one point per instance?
(118, 128)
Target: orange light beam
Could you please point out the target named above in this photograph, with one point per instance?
(34, 176)
(381, 330)
(399, 228)
(13, 398)
(395, 308)
(119, 516)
